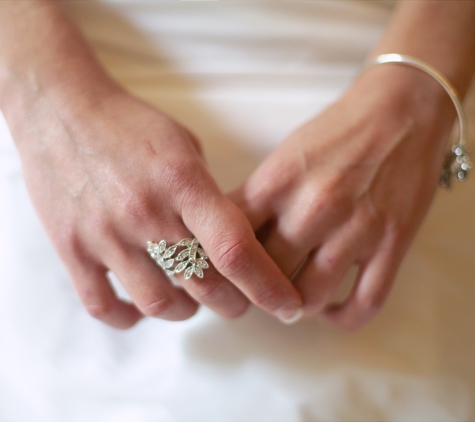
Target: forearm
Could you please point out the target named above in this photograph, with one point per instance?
(442, 33)
(42, 54)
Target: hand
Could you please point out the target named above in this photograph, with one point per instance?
(352, 187)
(107, 178)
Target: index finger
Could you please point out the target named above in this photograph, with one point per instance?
(229, 241)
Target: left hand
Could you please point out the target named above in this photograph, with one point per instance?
(352, 187)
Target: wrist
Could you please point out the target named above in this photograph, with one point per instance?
(52, 64)
(390, 107)
(408, 93)
(69, 87)
(456, 163)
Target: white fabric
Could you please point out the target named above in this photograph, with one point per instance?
(241, 75)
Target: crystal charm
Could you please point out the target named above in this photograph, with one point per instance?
(191, 259)
(457, 164)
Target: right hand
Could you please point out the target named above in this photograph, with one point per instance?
(107, 178)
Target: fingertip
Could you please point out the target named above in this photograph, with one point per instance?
(129, 317)
(111, 311)
(235, 313)
(370, 291)
(99, 299)
(289, 314)
(361, 306)
(335, 315)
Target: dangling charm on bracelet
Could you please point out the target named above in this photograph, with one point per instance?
(457, 162)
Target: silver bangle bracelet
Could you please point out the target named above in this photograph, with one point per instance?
(457, 162)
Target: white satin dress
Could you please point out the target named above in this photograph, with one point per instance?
(241, 75)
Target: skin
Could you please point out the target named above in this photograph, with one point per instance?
(107, 172)
(353, 185)
(350, 186)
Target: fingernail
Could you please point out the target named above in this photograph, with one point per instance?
(289, 314)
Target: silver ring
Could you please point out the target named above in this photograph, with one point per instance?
(191, 259)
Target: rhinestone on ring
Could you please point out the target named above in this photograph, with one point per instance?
(191, 259)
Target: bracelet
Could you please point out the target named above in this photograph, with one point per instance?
(457, 162)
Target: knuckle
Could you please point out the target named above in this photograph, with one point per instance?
(70, 248)
(184, 180)
(233, 258)
(208, 292)
(67, 240)
(321, 202)
(397, 231)
(182, 176)
(273, 181)
(270, 298)
(215, 291)
(134, 205)
(97, 226)
(157, 308)
(329, 265)
(370, 303)
(175, 173)
(98, 310)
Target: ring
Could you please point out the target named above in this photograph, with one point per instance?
(191, 259)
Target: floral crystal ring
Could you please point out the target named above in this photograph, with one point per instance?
(191, 259)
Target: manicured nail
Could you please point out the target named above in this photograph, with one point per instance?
(289, 314)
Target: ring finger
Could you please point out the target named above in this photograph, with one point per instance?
(198, 277)
(149, 288)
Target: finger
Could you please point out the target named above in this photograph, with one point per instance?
(257, 212)
(326, 267)
(322, 274)
(303, 224)
(95, 292)
(288, 253)
(285, 246)
(229, 241)
(215, 292)
(371, 289)
(290, 242)
(150, 290)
